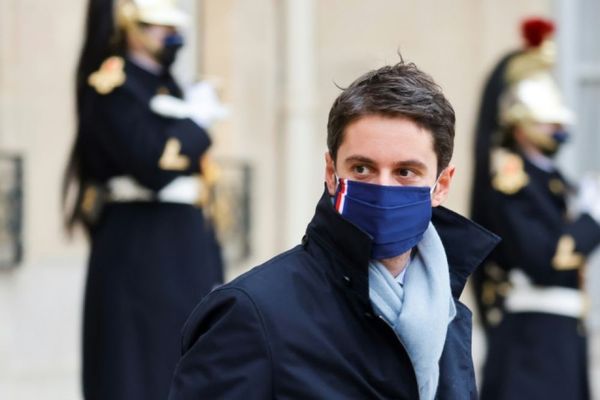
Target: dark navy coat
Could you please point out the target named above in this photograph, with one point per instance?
(535, 355)
(150, 262)
(301, 326)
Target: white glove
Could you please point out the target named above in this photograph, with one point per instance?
(200, 103)
(169, 106)
(588, 197)
(204, 104)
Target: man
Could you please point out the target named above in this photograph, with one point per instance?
(530, 288)
(367, 306)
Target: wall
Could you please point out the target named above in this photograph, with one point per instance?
(40, 301)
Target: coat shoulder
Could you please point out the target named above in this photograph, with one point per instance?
(274, 275)
(252, 293)
(294, 280)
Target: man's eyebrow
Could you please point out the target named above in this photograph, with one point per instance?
(358, 158)
(411, 163)
(399, 164)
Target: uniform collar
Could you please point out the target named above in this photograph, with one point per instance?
(145, 84)
(150, 67)
(466, 244)
(539, 161)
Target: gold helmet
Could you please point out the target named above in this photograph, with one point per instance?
(155, 12)
(532, 94)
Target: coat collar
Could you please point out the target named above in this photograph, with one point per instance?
(466, 244)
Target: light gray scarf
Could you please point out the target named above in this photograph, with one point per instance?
(420, 310)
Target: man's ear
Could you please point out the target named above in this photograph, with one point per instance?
(330, 174)
(442, 188)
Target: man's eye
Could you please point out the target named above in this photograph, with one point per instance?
(361, 169)
(408, 174)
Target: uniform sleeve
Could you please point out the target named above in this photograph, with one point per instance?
(151, 148)
(225, 351)
(550, 252)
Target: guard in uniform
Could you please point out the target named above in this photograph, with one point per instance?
(530, 289)
(139, 167)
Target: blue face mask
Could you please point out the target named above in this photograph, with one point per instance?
(171, 45)
(396, 217)
(561, 136)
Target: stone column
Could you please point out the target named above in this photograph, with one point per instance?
(299, 81)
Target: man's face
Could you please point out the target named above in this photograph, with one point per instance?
(154, 35)
(389, 151)
(538, 134)
(158, 33)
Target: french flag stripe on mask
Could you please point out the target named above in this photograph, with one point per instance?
(339, 204)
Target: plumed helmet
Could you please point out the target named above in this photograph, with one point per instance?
(532, 94)
(536, 98)
(155, 12)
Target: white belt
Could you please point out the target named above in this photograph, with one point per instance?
(525, 297)
(183, 189)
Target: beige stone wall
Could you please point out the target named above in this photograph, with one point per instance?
(40, 301)
(37, 67)
(240, 53)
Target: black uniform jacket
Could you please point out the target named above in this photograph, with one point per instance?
(301, 326)
(151, 262)
(538, 236)
(535, 354)
(121, 135)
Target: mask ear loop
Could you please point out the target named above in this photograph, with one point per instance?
(337, 178)
(432, 190)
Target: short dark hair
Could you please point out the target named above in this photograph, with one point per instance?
(400, 90)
